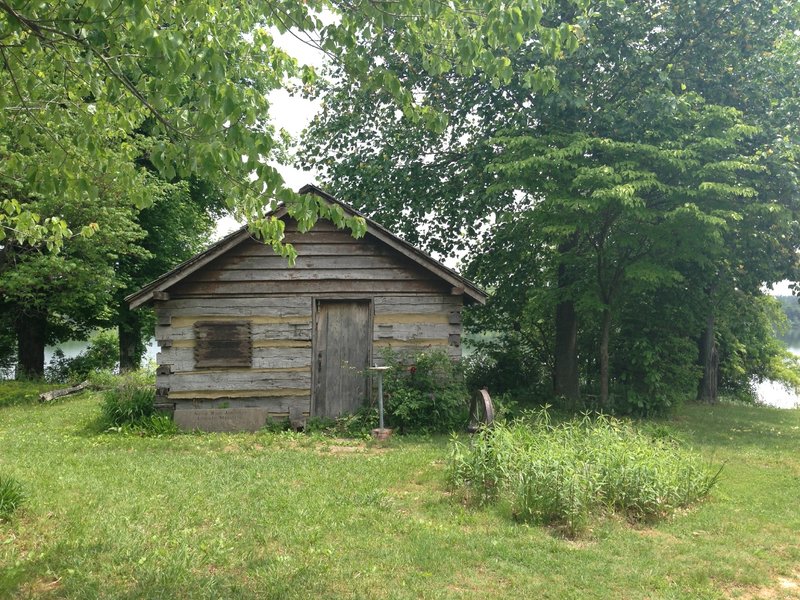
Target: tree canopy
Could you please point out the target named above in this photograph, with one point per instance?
(658, 170)
(80, 78)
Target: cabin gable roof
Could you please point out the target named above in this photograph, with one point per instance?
(160, 285)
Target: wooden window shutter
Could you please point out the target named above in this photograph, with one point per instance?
(222, 344)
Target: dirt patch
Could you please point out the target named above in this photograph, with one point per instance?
(350, 449)
(345, 449)
(40, 587)
(784, 588)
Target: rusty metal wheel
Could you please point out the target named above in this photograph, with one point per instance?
(481, 411)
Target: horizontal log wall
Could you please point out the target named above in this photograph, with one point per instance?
(330, 261)
(279, 378)
(413, 311)
(412, 324)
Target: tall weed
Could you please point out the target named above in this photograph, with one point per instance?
(564, 474)
(11, 496)
(130, 400)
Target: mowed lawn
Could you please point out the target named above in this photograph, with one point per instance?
(280, 516)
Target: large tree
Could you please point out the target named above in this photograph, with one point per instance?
(176, 226)
(49, 295)
(79, 77)
(621, 101)
(98, 94)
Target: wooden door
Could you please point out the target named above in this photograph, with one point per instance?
(342, 345)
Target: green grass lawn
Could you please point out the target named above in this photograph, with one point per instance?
(275, 516)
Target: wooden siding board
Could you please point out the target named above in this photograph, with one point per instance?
(274, 404)
(412, 331)
(258, 331)
(265, 288)
(268, 305)
(238, 380)
(422, 303)
(297, 275)
(308, 248)
(182, 359)
(311, 261)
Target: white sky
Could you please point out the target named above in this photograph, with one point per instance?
(292, 113)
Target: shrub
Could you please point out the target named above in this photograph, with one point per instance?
(128, 403)
(424, 393)
(564, 474)
(509, 363)
(102, 354)
(12, 497)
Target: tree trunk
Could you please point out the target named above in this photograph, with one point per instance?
(566, 378)
(31, 332)
(709, 356)
(565, 371)
(605, 334)
(131, 346)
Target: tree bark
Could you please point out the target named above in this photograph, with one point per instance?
(605, 334)
(565, 371)
(131, 346)
(709, 356)
(31, 330)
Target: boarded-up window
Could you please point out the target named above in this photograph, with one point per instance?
(222, 344)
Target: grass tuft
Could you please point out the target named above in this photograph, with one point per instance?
(564, 474)
(128, 407)
(12, 497)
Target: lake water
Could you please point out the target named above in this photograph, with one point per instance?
(72, 349)
(776, 394)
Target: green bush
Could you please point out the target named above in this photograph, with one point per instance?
(508, 363)
(424, 393)
(102, 354)
(128, 403)
(567, 473)
(12, 497)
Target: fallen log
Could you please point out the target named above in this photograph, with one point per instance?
(52, 395)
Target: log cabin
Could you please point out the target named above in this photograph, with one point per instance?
(245, 338)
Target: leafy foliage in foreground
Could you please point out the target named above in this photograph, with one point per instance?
(564, 474)
(11, 496)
